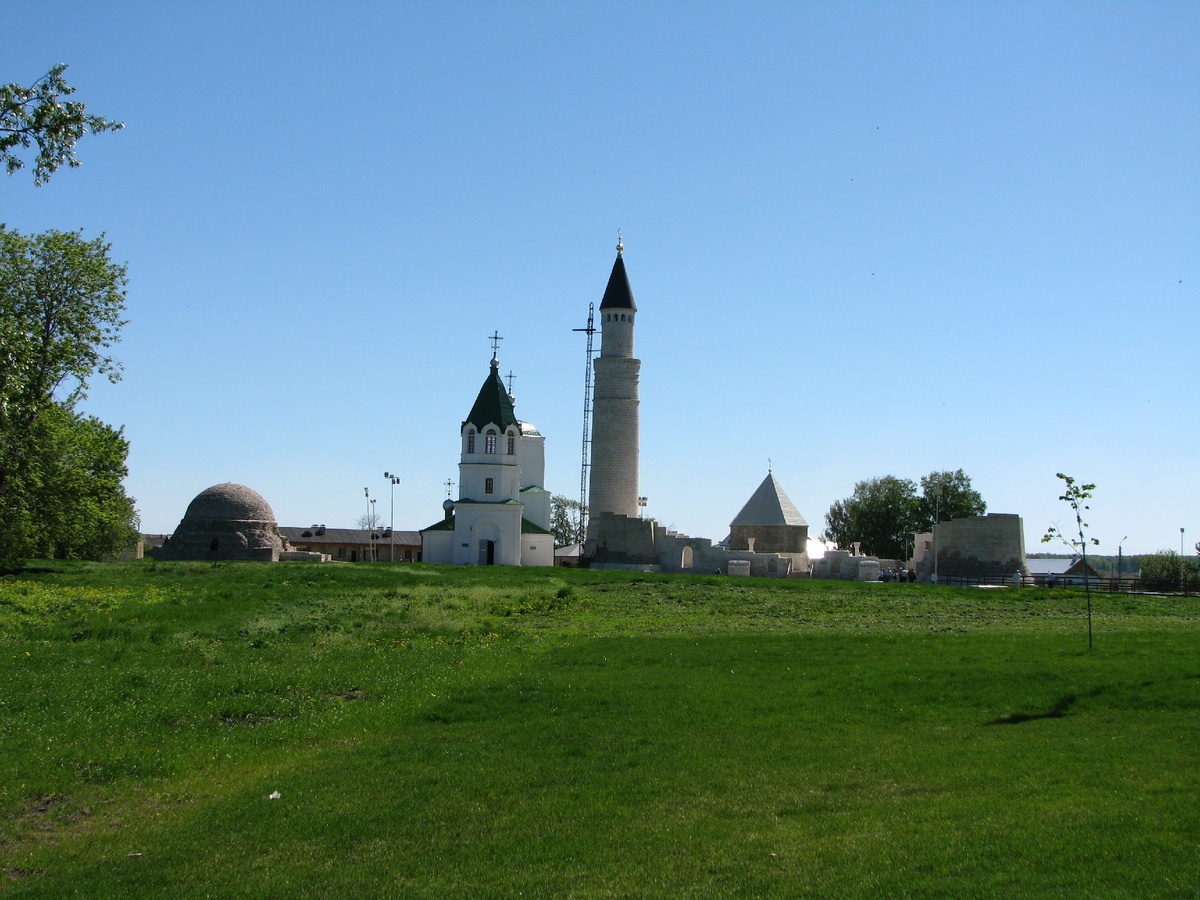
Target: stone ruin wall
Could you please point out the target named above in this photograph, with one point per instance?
(624, 542)
(980, 547)
(842, 565)
(236, 540)
(770, 538)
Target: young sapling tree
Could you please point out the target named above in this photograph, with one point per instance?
(1076, 496)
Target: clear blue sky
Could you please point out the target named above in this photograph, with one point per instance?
(864, 238)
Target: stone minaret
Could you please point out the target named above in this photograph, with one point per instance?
(614, 463)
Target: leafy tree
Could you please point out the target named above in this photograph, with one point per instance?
(61, 301)
(39, 115)
(1162, 569)
(565, 521)
(882, 514)
(947, 495)
(75, 503)
(1076, 496)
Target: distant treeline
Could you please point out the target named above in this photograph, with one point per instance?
(1106, 566)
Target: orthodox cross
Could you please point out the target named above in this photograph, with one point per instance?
(495, 339)
(511, 376)
(449, 485)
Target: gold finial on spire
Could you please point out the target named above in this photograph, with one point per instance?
(620, 245)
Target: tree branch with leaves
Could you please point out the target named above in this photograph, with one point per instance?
(41, 115)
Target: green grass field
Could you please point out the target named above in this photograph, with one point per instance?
(441, 732)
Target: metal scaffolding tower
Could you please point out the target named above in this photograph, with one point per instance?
(587, 416)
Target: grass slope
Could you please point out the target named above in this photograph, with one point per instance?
(438, 732)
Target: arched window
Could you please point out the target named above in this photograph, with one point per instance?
(489, 486)
(512, 444)
(489, 441)
(471, 441)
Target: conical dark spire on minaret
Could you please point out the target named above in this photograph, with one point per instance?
(618, 295)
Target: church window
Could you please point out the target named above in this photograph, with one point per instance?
(490, 442)
(471, 441)
(489, 486)
(512, 445)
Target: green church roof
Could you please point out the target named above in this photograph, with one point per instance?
(493, 405)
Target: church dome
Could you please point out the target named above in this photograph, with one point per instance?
(229, 502)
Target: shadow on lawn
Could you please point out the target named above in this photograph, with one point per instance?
(1060, 708)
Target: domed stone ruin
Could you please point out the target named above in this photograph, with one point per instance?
(226, 521)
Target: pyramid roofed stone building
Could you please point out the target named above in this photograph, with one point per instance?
(769, 505)
(770, 523)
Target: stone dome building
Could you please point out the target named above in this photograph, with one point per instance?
(226, 521)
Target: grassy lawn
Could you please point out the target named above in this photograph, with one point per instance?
(442, 732)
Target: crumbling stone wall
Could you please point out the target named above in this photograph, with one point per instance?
(624, 542)
(979, 547)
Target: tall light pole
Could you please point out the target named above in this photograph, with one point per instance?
(937, 514)
(367, 494)
(1119, 546)
(1181, 584)
(374, 526)
(395, 480)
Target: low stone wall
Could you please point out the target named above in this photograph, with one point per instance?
(844, 566)
(303, 556)
(623, 542)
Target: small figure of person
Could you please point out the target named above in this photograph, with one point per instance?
(1017, 579)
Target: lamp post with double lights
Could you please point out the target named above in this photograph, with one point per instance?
(374, 532)
(394, 480)
(367, 494)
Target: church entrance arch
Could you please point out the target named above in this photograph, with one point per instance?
(487, 553)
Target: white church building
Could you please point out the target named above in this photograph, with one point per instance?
(502, 514)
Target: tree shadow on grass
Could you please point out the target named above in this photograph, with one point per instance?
(1060, 709)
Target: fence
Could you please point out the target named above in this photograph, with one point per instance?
(1111, 585)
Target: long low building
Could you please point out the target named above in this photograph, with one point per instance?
(355, 544)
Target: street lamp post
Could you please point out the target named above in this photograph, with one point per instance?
(394, 479)
(367, 494)
(937, 514)
(1119, 546)
(1182, 584)
(374, 527)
